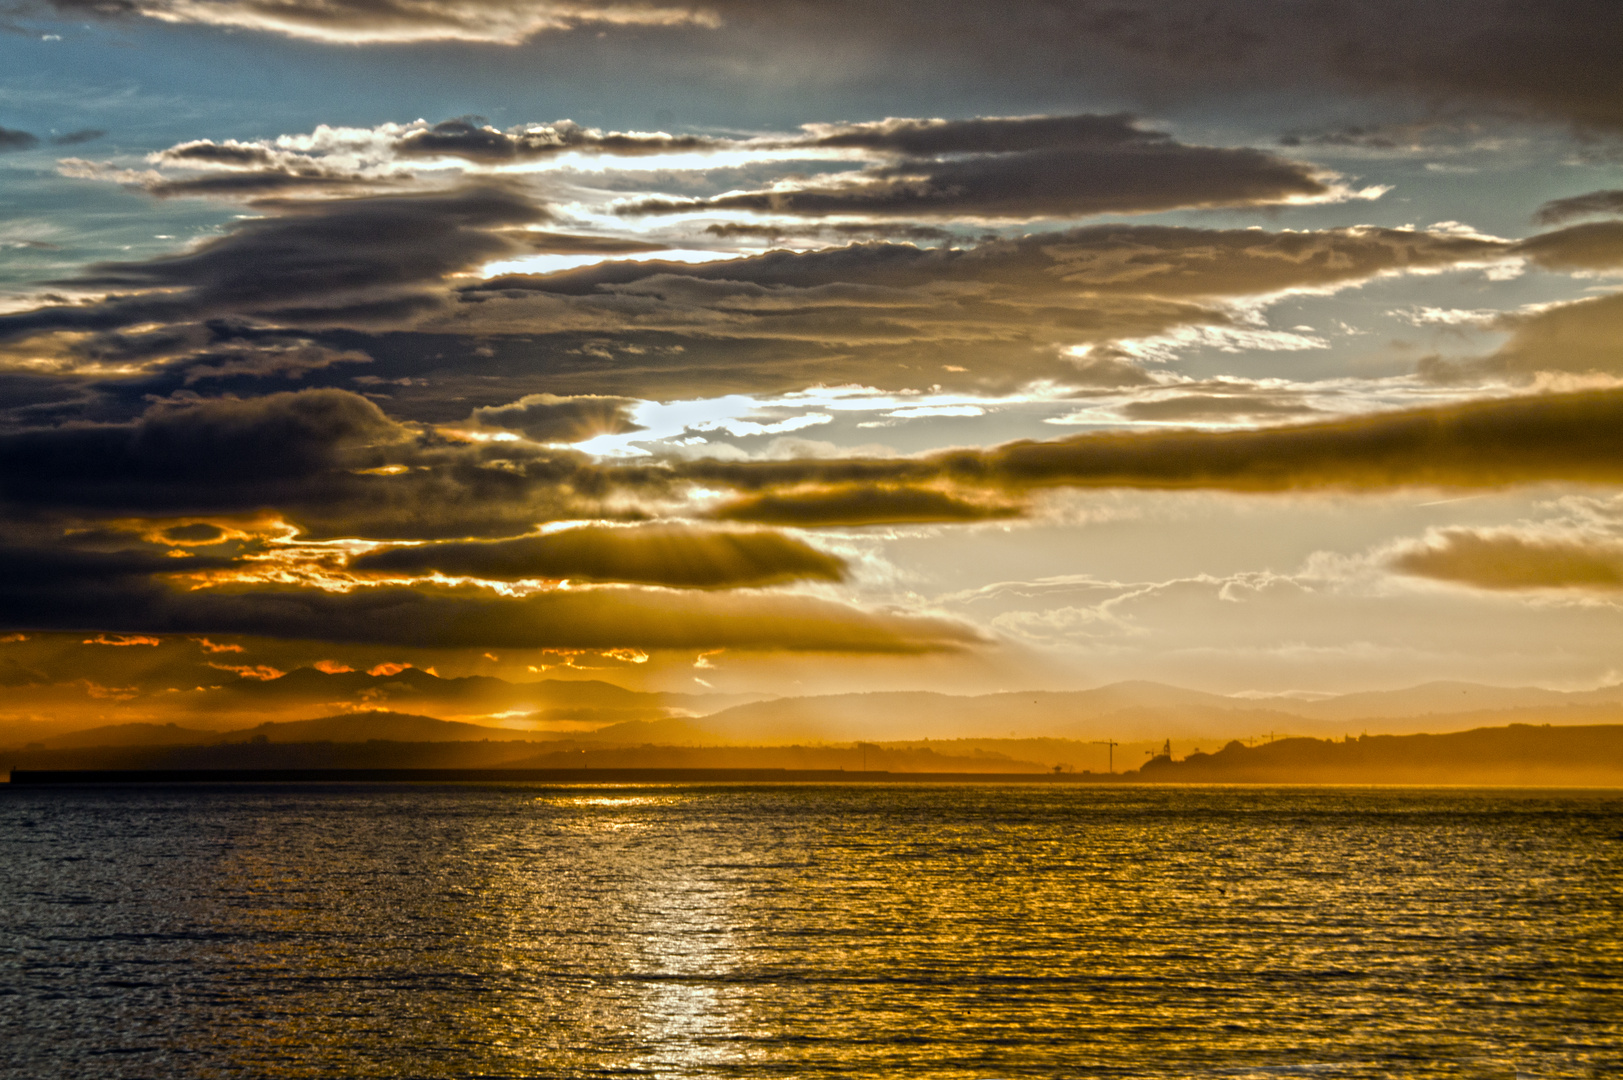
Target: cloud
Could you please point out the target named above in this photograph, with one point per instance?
(1143, 260)
(1005, 311)
(364, 22)
(1554, 60)
(573, 244)
(265, 359)
(548, 418)
(674, 556)
(1575, 437)
(1371, 136)
(1019, 168)
(11, 139)
(77, 138)
(328, 461)
(1582, 336)
(862, 505)
(258, 185)
(208, 456)
(344, 260)
(334, 465)
(732, 230)
(1597, 245)
(57, 591)
(1556, 211)
(471, 139)
(1221, 408)
(907, 137)
(1486, 559)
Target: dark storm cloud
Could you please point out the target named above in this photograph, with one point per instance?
(17, 140)
(883, 504)
(1020, 167)
(1487, 444)
(104, 600)
(221, 454)
(471, 139)
(1505, 560)
(327, 461)
(673, 556)
(353, 259)
(549, 418)
(1595, 202)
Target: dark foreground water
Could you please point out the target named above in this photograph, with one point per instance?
(716, 931)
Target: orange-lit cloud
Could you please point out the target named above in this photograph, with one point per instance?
(122, 639)
(1508, 560)
(387, 668)
(260, 672)
(653, 555)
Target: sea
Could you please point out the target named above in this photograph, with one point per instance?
(859, 930)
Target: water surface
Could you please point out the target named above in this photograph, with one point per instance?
(810, 931)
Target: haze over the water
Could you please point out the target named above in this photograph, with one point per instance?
(725, 352)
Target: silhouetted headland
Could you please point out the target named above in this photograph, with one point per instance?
(1517, 754)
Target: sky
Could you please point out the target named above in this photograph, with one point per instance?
(781, 348)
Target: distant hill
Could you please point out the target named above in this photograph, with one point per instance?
(1443, 698)
(228, 701)
(347, 727)
(1142, 711)
(1137, 715)
(1520, 754)
(376, 725)
(131, 735)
